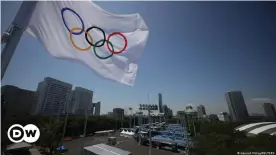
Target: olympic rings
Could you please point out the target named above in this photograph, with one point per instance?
(90, 28)
(99, 43)
(82, 24)
(120, 34)
(96, 46)
(73, 43)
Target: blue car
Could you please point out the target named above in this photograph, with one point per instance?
(62, 149)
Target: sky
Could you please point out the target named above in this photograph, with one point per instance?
(196, 52)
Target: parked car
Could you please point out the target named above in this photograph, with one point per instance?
(67, 139)
(112, 140)
(62, 149)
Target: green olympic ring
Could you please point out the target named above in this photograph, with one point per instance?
(96, 44)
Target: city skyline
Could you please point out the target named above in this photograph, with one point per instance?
(81, 98)
(135, 108)
(210, 56)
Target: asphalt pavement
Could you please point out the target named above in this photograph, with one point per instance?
(128, 144)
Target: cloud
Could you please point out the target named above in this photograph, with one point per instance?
(211, 108)
(216, 108)
(261, 99)
(255, 105)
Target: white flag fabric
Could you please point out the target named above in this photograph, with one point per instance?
(110, 44)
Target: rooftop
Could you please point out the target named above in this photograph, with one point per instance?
(104, 149)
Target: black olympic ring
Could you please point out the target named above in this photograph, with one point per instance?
(87, 36)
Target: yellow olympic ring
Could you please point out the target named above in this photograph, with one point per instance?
(73, 43)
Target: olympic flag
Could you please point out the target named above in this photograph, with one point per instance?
(109, 44)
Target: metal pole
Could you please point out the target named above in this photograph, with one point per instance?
(186, 135)
(189, 125)
(194, 128)
(143, 120)
(59, 110)
(122, 120)
(148, 107)
(65, 124)
(21, 22)
(85, 125)
(84, 133)
(139, 121)
(159, 118)
(130, 109)
(129, 121)
(150, 145)
(116, 119)
(134, 121)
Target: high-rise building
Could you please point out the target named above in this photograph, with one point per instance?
(109, 113)
(53, 96)
(118, 112)
(168, 113)
(160, 103)
(41, 95)
(224, 116)
(201, 111)
(257, 117)
(72, 105)
(97, 108)
(236, 105)
(213, 117)
(18, 102)
(82, 101)
(166, 110)
(180, 113)
(191, 111)
(91, 109)
(270, 112)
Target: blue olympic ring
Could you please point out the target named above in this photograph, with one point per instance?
(89, 40)
(62, 15)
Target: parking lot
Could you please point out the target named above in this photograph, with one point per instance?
(127, 144)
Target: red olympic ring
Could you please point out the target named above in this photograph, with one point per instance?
(120, 34)
(90, 39)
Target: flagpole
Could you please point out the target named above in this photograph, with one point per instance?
(84, 133)
(149, 117)
(65, 124)
(122, 121)
(18, 26)
(186, 135)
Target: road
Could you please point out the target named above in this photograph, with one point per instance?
(128, 144)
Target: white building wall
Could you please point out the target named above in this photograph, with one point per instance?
(97, 108)
(83, 100)
(54, 95)
(224, 117)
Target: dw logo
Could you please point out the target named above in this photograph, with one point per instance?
(29, 133)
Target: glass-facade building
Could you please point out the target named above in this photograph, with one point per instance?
(236, 105)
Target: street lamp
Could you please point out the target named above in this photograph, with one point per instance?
(160, 115)
(139, 123)
(65, 123)
(130, 109)
(149, 107)
(183, 122)
(122, 117)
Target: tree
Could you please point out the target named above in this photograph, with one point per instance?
(73, 128)
(219, 138)
(213, 144)
(51, 134)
